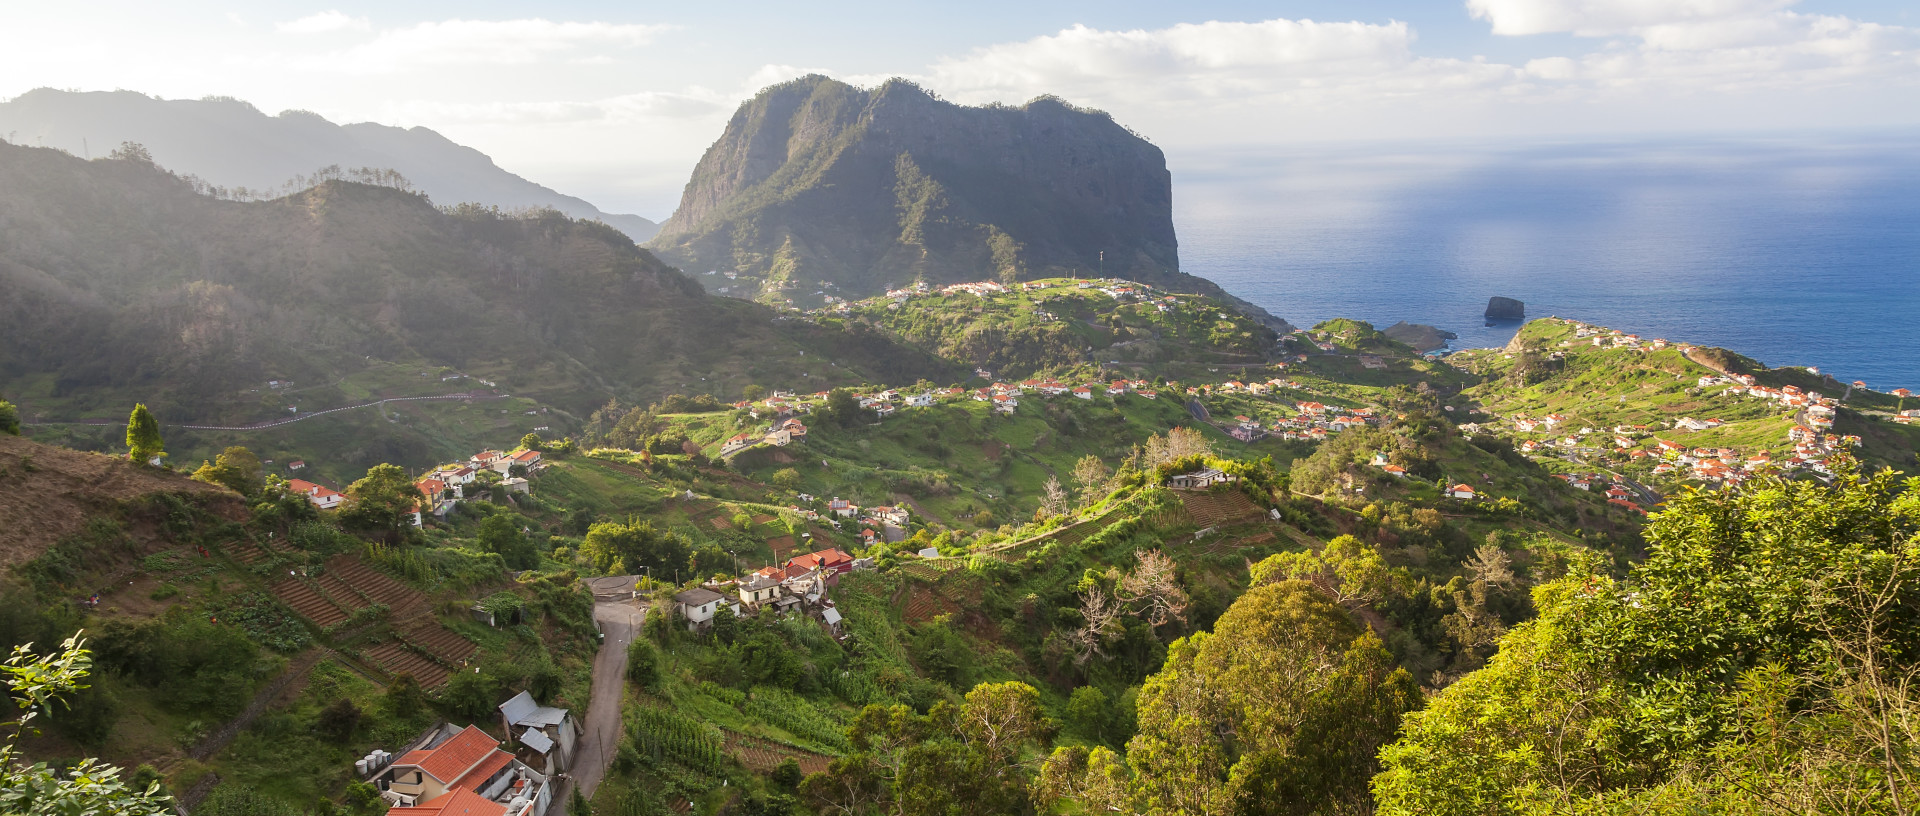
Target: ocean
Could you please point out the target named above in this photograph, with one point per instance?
(1791, 251)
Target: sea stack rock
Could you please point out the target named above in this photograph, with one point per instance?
(1502, 308)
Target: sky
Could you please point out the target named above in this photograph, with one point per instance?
(615, 102)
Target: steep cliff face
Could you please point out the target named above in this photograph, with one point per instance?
(818, 180)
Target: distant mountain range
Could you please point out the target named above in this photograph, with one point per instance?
(230, 143)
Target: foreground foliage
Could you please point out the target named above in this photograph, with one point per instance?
(89, 787)
(1761, 660)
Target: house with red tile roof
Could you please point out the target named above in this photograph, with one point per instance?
(323, 497)
(829, 562)
(462, 774)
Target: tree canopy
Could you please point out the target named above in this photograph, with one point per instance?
(143, 436)
(1759, 661)
(383, 500)
(1280, 709)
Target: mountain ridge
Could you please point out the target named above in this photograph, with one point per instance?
(230, 143)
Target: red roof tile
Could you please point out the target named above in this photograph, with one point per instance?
(478, 777)
(451, 760)
(457, 803)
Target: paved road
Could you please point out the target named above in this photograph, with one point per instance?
(620, 621)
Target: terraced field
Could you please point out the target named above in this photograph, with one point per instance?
(304, 600)
(395, 659)
(924, 604)
(1217, 509)
(443, 643)
(764, 755)
(343, 595)
(376, 586)
(246, 552)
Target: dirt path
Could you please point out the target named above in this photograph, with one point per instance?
(600, 737)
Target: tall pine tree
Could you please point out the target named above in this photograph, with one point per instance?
(143, 436)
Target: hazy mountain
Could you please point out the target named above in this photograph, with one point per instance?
(230, 143)
(119, 282)
(817, 180)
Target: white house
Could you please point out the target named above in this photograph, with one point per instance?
(697, 606)
(1205, 477)
(1461, 491)
(323, 497)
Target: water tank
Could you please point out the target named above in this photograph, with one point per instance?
(518, 804)
(360, 767)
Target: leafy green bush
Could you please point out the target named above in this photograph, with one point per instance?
(264, 619)
(199, 665)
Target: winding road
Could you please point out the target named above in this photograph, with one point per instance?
(620, 618)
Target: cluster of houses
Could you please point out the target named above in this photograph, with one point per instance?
(1602, 337)
(798, 586)
(447, 484)
(1678, 460)
(781, 433)
(889, 518)
(1006, 396)
(452, 771)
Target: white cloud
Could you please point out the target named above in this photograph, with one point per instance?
(325, 22)
(1289, 60)
(775, 74)
(488, 42)
(694, 103)
(1599, 18)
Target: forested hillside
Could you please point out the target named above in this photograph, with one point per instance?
(122, 283)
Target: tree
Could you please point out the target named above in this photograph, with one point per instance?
(1053, 501)
(143, 436)
(338, 721)
(403, 697)
(842, 407)
(501, 534)
(643, 663)
(1760, 660)
(1280, 709)
(532, 442)
(89, 786)
(952, 761)
(383, 500)
(1091, 475)
(9, 418)
(786, 478)
(753, 392)
(1152, 590)
(1100, 625)
(1347, 568)
(1087, 712)
(235, 468)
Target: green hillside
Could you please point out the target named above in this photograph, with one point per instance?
(126, 285)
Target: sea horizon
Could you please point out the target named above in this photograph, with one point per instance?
(1795, 251)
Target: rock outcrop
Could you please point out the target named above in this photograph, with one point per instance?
(1421, 337)
(1505, 308)
(816, 180)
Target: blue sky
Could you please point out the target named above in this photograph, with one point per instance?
(616, 101)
